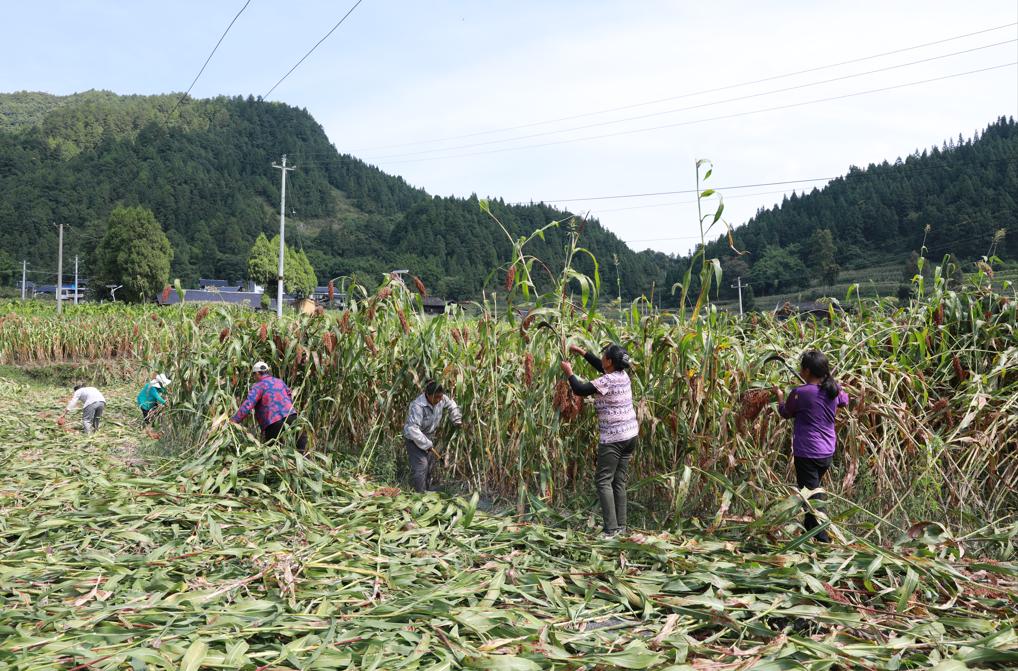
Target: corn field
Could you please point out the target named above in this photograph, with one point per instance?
(932, 432)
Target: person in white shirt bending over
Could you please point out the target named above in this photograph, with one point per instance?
(92, 403)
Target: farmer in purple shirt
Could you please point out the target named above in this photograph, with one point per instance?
(813, 406)
(272, 403)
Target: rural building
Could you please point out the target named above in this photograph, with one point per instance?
(242, 298)
(820, 310)
(67, 291)
(321, 294)
(436, 306)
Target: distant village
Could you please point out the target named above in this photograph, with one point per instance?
(213, 291)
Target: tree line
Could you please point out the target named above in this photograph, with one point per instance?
(203, 172)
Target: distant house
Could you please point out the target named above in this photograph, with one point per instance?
(67, 292)
(209, 284)
(321, 294)
(820, 310)
(241, 298)
(436, 306)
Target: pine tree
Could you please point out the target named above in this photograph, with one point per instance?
(134, 253)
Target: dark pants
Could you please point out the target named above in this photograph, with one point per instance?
(421, 463)
(808, 473)
(612, 472)
(148, 415)
(91, 416)
(271, 432)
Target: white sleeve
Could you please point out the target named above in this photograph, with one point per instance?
(74, 400)
(454, 410)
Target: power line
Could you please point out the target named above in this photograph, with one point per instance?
(910, 169)
(688, 202)
(693, 107)
(310, 51)
(715, 118)
(685, 191)
(205, 64)
(701, 92)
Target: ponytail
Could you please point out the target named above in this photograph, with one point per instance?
(830, 387)
(818, 365)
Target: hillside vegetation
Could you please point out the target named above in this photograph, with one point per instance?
(204, 169)
(954, 199)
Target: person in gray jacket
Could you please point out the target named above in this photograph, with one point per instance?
(422, 421)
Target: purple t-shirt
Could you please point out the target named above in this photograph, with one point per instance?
(813, 436)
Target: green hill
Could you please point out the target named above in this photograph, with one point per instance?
(205, 170)
(954, 198)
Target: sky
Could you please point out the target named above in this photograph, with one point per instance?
(538, 100)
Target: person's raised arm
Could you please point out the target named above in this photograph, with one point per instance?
(592, 359)
(579, 387)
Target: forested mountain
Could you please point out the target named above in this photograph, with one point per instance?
(204, 169)
(956, 197)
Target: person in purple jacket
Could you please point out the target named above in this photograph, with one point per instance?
(813, 406)
(272, 403)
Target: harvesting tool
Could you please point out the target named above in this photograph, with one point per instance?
(781, 359)
(754, 400)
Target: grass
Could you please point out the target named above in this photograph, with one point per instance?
(237, 557)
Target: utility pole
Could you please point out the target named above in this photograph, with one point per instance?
(24, 272)
(60, 270)
(75, 279)
(738, 285)
(282, 232)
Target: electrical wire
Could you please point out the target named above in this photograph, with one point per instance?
(714, 118)
(310, 51)
(1003, 159)
(696, 93)
(676, 203)
(688, 108)
(207, 60)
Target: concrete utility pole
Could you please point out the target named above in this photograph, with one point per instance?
(738, 285)
(24, 272)
(75, 279)
(282, 232)
(60, 270)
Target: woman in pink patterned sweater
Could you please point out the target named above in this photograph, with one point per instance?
(619, 429)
